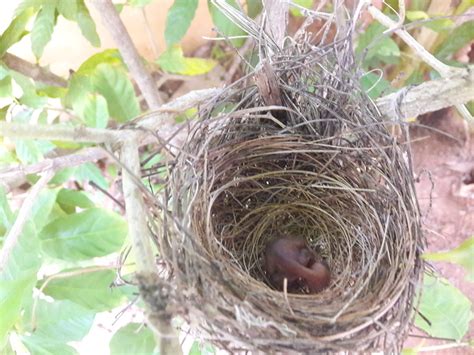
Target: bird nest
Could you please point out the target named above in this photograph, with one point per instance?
(321, 165)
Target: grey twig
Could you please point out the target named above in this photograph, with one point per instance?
(130, 55)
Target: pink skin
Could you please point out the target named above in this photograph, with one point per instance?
(292, 259)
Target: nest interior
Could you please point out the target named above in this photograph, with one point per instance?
(322, 166)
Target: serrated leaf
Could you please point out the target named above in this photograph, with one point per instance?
(378, 47)
(42, 207)
(438, 25)
(63, 175)
(92, 233)
(91, 290)
(134, 338)
(89, 172)
(94, 110)
(32, 151)
(70, 199)
(87, 24)
(59, 322)
(462, 255)
(54, 92)
(18, 278)
(225, 26)
(43, 28)
(40, 346)
(29, 5)
(179, 19)
(108, 56)
(15, 31)
(447, 308)
(68, 9)
(113, 83)
(295, 11)
(457, 39)
(29, 98)
(173, 61)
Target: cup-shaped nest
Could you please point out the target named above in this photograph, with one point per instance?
(323, 166)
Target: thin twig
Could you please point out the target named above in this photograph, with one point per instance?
(17, 175)
(130, 55)
(23, 215)
(33, 71)
(444, 70)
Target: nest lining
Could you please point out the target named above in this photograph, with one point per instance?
(322, 166)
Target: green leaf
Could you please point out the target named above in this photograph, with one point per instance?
(134, 338)
(15, 31)
(109, 56)
(89, 172)
(254, 8)
(30, 97)
(91, 290)
(447, 308)
(68, 9)
(43, 28)
(57, 323)
(179, 19)
(42, 207)
(96, 113)
(34, 5)
(307, 4)
(457, 39)
(31, 151)
(139, 3)
(6, 214)
(40, 346)
(86, 24)
(18, 278)
(225, 26)
(6, 87)
(375, 86)
(173, 61)
(70, 199)
(63, 175)
(462, 255)
(438, 25)
(112, 82)
(199, 348)
(92, 233)
(378, 47)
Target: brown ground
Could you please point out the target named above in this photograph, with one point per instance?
(445, 167)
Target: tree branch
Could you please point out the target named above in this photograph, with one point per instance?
(130, 55)
(444, 70)
(429, 96)
(16, 176)
(276, 19)
(33, 71)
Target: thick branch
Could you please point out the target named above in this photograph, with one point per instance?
(33, 71)
(444, 70)
(429, 96)
(141, 241)
(277, 19)
(130, 55)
